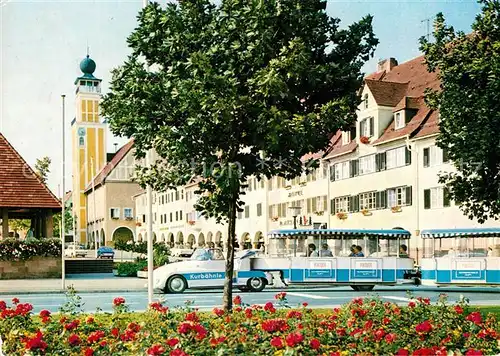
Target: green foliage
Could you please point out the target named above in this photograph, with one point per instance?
(243, 89)
(128, 269)
(42, 168)
(160, 250)
(11, 249)
(468, 66)
(17, 225)
(73, 304)
(68, 223)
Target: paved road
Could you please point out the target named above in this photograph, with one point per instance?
(208, 299)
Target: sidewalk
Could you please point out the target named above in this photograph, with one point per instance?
(83, 283)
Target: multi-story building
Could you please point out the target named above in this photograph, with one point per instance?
(382, 173)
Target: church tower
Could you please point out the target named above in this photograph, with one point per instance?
(88, 142)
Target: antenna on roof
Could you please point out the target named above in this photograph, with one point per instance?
(428, 35)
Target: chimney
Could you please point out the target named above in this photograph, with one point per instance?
(387, 65)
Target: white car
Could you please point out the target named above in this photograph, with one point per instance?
(206, 269)
(75, 251)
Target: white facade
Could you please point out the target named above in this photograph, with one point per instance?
(377, 179)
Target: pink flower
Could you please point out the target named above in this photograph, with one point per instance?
(315, 344)
(277, 342)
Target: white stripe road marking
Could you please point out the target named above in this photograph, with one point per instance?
(305, 295)
(402, 299)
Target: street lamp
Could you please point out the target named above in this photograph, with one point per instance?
(295, 212)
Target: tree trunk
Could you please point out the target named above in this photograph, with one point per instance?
(228, 283)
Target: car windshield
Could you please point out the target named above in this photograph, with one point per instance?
(206, 254)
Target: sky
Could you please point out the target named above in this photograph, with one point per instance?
(43, 42)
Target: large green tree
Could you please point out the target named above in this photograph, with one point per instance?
(468, 66)
(245, 88)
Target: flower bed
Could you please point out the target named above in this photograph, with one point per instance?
(362, 327)
(18, 250)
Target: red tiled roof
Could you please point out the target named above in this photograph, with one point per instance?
(409, 102)
(322, 153)
(20, 187)
(386, 93)
(339, 149)
(430, 127)
(416, 122)
(108, 168)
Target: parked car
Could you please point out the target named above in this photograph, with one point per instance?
(74, 250)
(105, 252)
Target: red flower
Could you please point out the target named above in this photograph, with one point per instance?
(192, 317)
(115, 332)
(36, 343)
(128, 335)
(237, 300)
(305, 304)
(273, 325)
(156, 350)
(3, 305)
(96, 336)
(238, 309)
(358, 301)
(200, 331)
(475, 317)
(403, 352)
(379, 334)
(390, 338)
(172, 342)
(411, 305)
(103, 343)
(277, 342)
(458, 309)
(134, 327)
(280, 296)
(44, 313)
(74, 340)
(178, 352)
(248, 313)
(90, 319)
(72, 325)
(315, 344)
(424, 327)
(216, 341)
(386, 320)
(15, 301)
(89, 352)
(472, 352)
(158, 307)
(336, 353)
(218, 312)
(269, 307)
(46, 319)
(184, 328)
(293, 339)
(424, 352)
(294, 314)
(118, 301)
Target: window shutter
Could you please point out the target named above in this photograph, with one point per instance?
(378, 200)
(383, 161)
(372, 131)
(446, 197)
(408, 196)
(384, 199)
(356, 203)
(350, 202)
(377, 162)
(427, 198)
(332, 173)
(362, 125)
(408, 156)
(332, 206)
(446, 157)
(355, 168)
(353, 132)
(426, 157)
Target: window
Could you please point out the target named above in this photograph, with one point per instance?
(180, 215)
(365, 101)
(346, 137)
(367, 164)
(399, 196)
(259, 209)
(127, 213)
(399, 120)
(438, 197)
(367, 201)
(340, 205)
(240, 215)
(247, 211)
(171, 217)
(396, 157)
(90, 110)
(143, 218)
(81, 141)
(115, 213)
(366, 127)
(176, 216)
(434, 156)
(341, 170)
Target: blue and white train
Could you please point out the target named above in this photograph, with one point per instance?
(385, 262)
(463, 257)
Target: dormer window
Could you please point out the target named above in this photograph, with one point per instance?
(365, 100)
(399, 120)
(366, 127)
(346, 137)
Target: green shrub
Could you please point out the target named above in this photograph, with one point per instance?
(11, 249)
(127, 269)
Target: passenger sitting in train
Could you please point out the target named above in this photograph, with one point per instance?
(358, 252)
(403, 251)
(325, 251)
(311, 251)
(353, 251)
